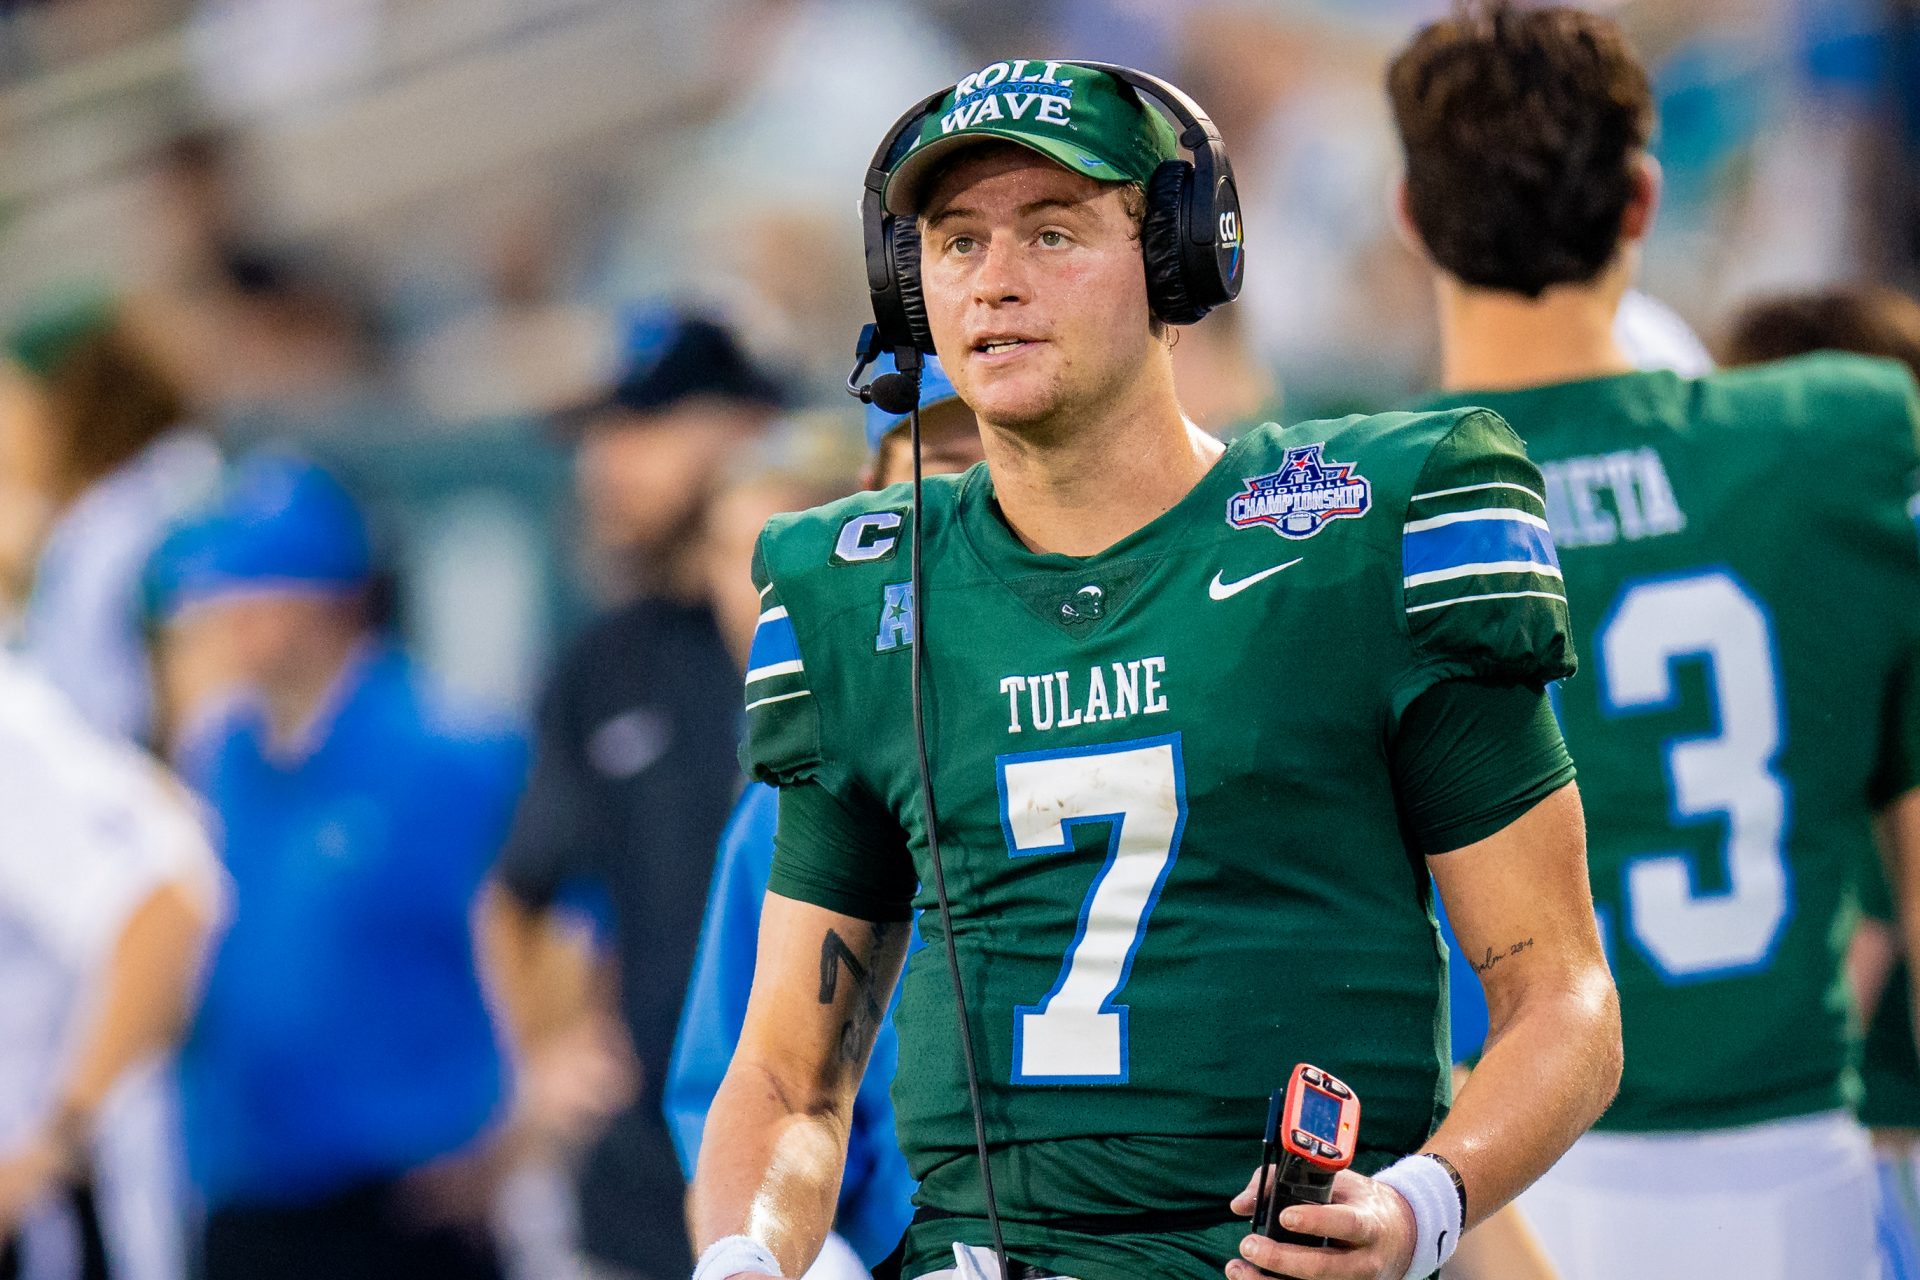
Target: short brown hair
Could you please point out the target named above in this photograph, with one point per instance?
(112, 399)
(1522, 129)
(1871, 319)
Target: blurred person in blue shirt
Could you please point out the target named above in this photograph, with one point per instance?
(343, 1073)
(876, 1190)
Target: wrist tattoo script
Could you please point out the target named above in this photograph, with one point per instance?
(1493, 957)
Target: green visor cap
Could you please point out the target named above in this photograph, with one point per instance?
(1083, 120)
(57, 327)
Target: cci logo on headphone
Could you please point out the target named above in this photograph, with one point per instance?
(1230, 240)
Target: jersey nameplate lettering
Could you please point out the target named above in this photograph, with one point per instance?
(1058, 700)
(1638, 500)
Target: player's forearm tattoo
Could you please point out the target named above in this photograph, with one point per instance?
(834, 952)
(857, 1033)
(1493, 957)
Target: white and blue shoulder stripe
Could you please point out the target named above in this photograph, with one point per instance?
(775, 670)
(1477, 542)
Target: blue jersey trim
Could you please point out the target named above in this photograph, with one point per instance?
(1477, 542)
(774, 642)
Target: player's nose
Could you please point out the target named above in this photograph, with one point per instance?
(1002, 277)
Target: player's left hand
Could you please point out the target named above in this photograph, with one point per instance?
(1371, 1227)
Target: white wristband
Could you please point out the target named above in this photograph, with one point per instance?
(1429, 1189)
(730, 1255)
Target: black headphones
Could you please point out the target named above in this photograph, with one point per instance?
(1190, 238)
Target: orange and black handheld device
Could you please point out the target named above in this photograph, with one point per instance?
(1313, 1126)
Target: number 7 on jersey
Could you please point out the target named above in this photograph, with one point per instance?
(1076, 1034)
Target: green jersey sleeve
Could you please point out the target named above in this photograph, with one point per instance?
(1481, 588)
(1898, 769)
(1876, 896)
(842, 853)
(1470, 757)
(782, 742)
(836, 845)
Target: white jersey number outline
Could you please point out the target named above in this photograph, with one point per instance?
(1076, 1034)
(1689, 936)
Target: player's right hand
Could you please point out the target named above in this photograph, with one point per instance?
(1370, 1227)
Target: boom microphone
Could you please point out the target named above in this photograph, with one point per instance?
(896, 393)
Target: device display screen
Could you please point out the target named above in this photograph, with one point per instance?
(1320, 1114)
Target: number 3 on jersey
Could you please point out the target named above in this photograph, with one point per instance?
(1687, 935)
(1076, 1034)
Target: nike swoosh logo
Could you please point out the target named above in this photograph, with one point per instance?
(1219, 590)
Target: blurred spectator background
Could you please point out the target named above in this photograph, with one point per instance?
(413, 237)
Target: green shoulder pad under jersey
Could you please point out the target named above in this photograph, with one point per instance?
(1739, 555)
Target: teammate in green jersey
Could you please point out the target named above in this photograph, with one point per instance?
(1880, 321)
(1206, 722)
(1745, 586)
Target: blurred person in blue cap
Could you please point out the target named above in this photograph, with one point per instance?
(343, 1071)
(634, 769)
(97, 459)
(949, 437)
(875, 1192)
(687, 394)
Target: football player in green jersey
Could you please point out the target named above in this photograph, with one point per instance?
(1873, 320)
(1207, 723)
(1735, 737)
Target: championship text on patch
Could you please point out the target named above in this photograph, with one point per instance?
(1300, 498)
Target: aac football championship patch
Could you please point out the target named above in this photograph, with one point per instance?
(1299, 499)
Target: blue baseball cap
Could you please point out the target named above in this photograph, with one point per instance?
(282, 524)
(935, 388)
(669, 354)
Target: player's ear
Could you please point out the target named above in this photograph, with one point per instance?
(1643, 201)
(1403, 220)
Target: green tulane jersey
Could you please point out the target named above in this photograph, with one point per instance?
(1742, 568)
(1172, 843)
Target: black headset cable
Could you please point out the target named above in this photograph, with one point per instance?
(933, 838)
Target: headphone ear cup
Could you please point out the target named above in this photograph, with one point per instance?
(904, 236)
(1163, 244)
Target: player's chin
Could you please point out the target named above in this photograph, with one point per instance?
(1016, 403)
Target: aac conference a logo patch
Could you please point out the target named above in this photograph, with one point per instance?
(1303, 496)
